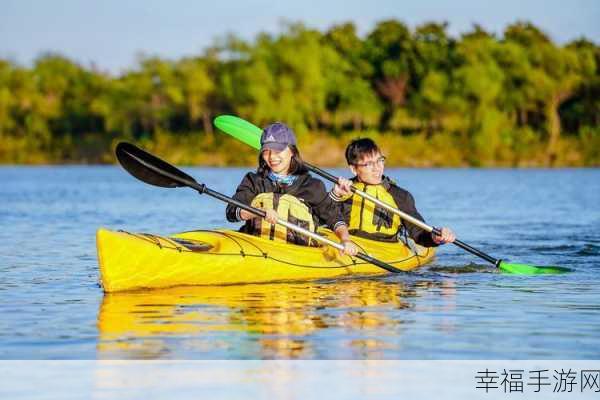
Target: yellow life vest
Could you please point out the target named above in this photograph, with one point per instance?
(289, 208)
(371, 221)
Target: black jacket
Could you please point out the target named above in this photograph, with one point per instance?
(405, 202)
(306, 188)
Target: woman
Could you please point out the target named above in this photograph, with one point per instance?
(283, 188)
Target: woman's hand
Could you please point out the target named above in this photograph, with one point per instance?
(271, 216)
(246, 215)
(343, 187)
(447, 236)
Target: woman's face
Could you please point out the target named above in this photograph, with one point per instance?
(278, 161)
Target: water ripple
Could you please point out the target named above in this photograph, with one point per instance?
(52, 305)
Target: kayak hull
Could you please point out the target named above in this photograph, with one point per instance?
(132, 261)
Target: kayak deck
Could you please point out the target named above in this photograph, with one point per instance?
(130, 261)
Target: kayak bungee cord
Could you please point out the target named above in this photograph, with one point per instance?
(175, 245)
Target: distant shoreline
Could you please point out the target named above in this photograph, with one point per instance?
(219, 150)
(428, 98)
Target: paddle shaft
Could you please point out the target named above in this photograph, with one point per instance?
(201, 188)
(313, 235)
(404, 216)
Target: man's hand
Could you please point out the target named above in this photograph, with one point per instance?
(350, 249)
(447, 236)
(343, 187)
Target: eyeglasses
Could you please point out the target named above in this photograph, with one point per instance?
(380, 162)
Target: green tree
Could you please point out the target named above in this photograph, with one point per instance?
(582, 110)
(198, 90)
(281, 78)
(559, 72)
(141, 102)
(520, 98)
(389, 50)
(7, 100)
(350, 97)
(434, 60)
(479, 85)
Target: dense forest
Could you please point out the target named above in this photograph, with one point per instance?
(428, 98)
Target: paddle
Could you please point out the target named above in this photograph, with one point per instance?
(153, 170)
(250, 134)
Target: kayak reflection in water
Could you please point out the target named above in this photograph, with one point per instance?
(267, 321)
(283, 188)
(366, 219)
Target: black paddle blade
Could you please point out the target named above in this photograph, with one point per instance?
(151, 169)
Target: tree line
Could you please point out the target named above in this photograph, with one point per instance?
(479, 99)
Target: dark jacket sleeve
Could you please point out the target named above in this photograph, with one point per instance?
(327, 210)
(245, 192)
(406, 203)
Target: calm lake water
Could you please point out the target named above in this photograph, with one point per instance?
(458, 307)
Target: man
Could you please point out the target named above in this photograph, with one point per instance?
(365, 218)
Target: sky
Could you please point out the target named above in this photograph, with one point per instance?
(112, 34)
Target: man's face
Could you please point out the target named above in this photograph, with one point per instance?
(370, 168)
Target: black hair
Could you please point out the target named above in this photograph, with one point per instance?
(297, 166)
(359, 148)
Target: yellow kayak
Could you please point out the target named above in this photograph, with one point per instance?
(130, 261)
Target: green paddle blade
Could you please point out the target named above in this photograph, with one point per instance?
(240, 129)
(525, 269)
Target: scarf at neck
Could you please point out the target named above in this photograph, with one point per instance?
(282, 180)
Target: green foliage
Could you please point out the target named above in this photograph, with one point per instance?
(590, 145)
(515, 100)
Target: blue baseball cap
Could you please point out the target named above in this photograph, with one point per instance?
(277, 136)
